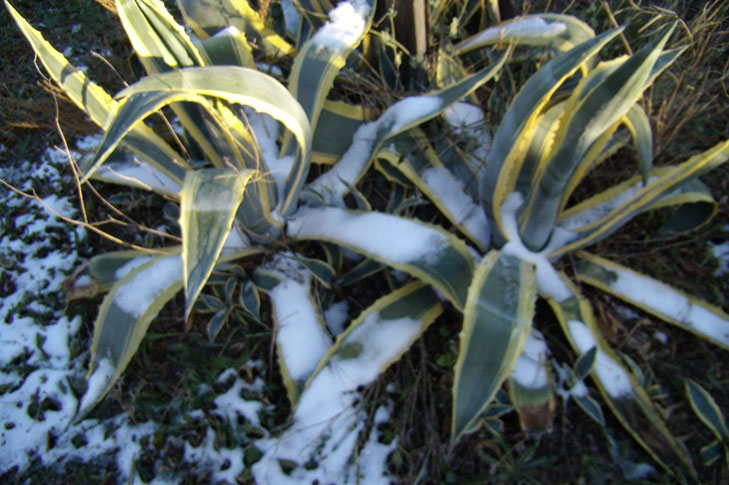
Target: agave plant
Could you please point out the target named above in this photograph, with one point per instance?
(244, 190)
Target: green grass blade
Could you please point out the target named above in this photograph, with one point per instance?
(665, 302)
(209, 201)
(123, 320)
(496, 322)
(422, 250)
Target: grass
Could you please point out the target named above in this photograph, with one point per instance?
(165, 379)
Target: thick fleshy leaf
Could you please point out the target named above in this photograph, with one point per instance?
(501, 172)
(592, 116)
(496, 322)
(301, 336)
(665, 302)
(376, 338)
(209, 201)
(422, 250)
(640, 127)
(109, 268)
(208, 17)
(559, 31)
(343, 119)
(628, 401)
(123, 320)
(228, 47)
(398, 118)
(93, 100)
(669, 180)
(324, 55)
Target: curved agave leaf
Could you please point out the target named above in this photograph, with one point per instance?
(228, 47)
(665, 302)
(262, 92)
(398, 118)
(595, 114)
(158, 40)
(442, 188)
(595, 211)
(666, 183)
(501, 165)
(93, 100)
(559, 31)
(301, 336)
(109, 268)
(208, 204)
(374, 340)
(123, 320)
(628, 401)
(343, 119)
(422, 250)
(640, 128)
(208, 17)
(496, 322)
(324, 55)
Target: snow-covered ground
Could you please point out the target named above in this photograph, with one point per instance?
(45, 350)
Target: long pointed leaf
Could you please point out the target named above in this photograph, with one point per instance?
(209, 201)
(496, 322)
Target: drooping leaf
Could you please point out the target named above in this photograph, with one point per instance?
(496, 322)
(209, 201)
(707, 410)
(123, 320)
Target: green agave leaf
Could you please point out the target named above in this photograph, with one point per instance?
(501, 170)
(445, 191)
(591, 407)
(322, 57)
(109, 268)
(216, 322)
(341, 119)
(559, 31)
(628, 401)
(228, 47)
(713, 452)
(422, 250)
(366, 268)
(665, 302)
(208, 17)
(668, 181)
(640, 127)
(250, 300)
(600, 109)
(209, 201)
(93, 100)
(398, 118)
(707, 410)
(585, 363)
(301, 336)
(496, 322)
(158, 40)
(123, 320)
(374, 340)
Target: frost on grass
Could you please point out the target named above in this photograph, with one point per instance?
(382, 236)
